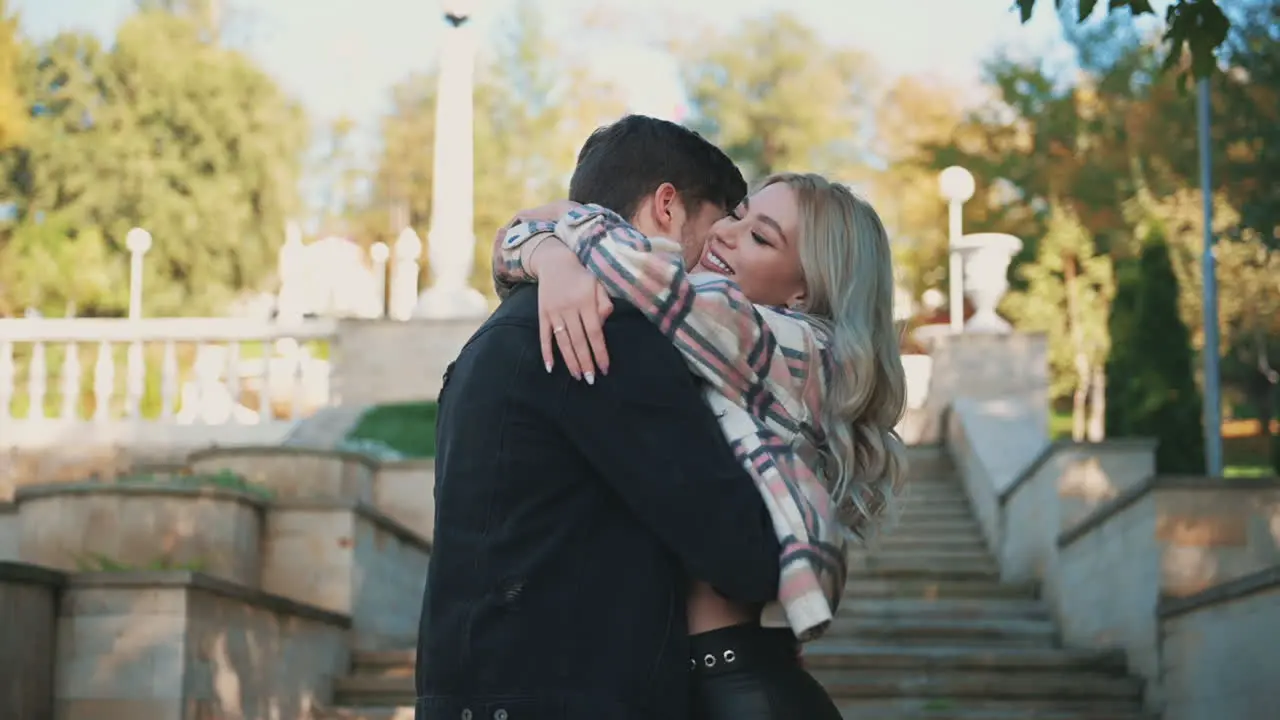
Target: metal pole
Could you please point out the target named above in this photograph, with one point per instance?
(957, 269)
(1212, 389)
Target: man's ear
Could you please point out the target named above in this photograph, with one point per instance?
(668, 210)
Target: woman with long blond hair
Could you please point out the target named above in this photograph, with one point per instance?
(788, 317)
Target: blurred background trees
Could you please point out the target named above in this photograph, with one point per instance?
(1091, 162)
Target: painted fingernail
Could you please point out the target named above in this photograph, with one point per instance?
(590, 377)
(547, 366)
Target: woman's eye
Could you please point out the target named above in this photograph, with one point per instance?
(759, 238)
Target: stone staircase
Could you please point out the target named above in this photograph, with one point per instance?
(926, 630)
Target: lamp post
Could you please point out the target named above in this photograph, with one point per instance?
(1212, 381)
(957, 186)
(451, 240)
(138, 242)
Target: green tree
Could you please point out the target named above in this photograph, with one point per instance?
(13, 111)
(168, 131)
(1151, 389)
(1200, 25)
(1068, 292)
(776, 97)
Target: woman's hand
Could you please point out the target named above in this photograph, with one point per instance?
(572, 308)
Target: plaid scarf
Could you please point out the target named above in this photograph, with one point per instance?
(766, 371)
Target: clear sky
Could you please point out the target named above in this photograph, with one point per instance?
(341, 56)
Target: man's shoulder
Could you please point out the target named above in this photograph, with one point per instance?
(522, 304)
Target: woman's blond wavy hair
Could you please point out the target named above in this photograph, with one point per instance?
(848, 271)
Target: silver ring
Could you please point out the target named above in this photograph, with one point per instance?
(558, 329)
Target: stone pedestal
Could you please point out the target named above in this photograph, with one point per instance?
(383, 361)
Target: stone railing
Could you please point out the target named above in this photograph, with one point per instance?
(1218, 650)
(1112, 545)
(185, 371)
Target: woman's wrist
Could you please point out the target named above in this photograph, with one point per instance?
(545, 254)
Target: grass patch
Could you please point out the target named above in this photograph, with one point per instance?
(224, 479)
(407, 429)
(94, 562)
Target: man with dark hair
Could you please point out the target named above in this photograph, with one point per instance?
(620, 164)
(570, 516)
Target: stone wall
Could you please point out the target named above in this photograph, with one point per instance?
(184, 646)
(390, 361)
(1167, 537)
(293, 473)
(1056, 492)
(28, 620)
(351, 559)
(1219, 651)
(10, 531)
(97, 526)
(405, 490)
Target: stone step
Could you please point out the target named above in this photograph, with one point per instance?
(949, 555)
(943, 709)
(1017, 661)
(921, 694)
(373, 691)
(915, 631)
(918, 513)
(949, 607)
(933, 588)
(924, 569)
(917, 542)
(981, 685)
(915, 522)
(929, 489)
(949, 501)
(403, 712)
(383, 662)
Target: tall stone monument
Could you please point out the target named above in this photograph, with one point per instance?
(451, 240)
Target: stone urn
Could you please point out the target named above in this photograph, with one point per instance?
(986, 258)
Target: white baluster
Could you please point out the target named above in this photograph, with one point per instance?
(233, 377)
(37, 375)
(104, 380)
(199, 385)
(71, 383)
(264, 399)
(137, 370)
(8, 374)
(299, 388)
(169, 380)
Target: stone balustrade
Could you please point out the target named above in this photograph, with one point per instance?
(208, 371)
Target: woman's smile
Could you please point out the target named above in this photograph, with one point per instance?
(713, 262)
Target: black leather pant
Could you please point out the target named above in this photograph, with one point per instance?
(746, 672)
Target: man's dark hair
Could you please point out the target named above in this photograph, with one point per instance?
(622, 163)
